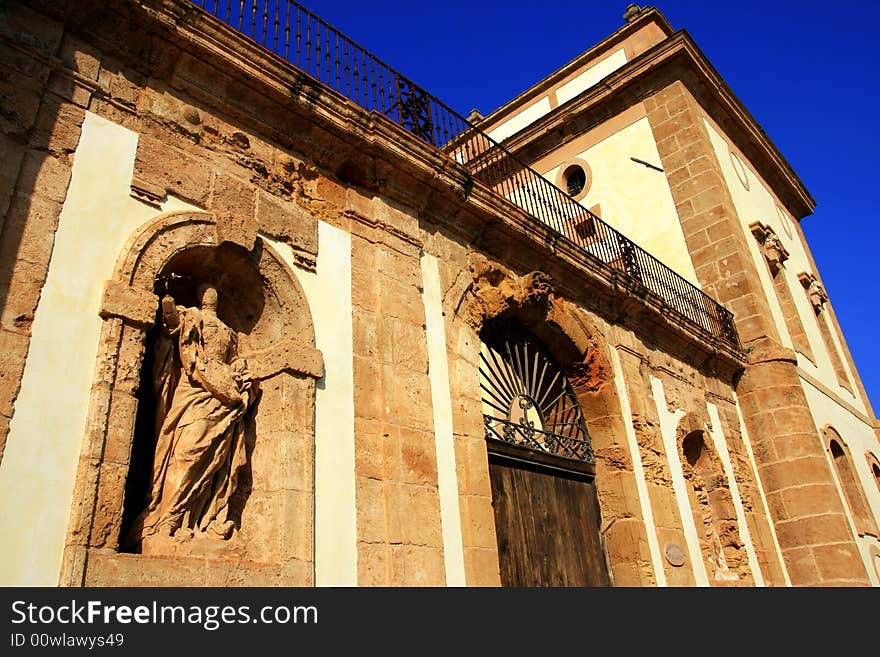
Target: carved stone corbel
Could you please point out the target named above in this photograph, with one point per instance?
(137, 307)
(496, 291)
(771, 246)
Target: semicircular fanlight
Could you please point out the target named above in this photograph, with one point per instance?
(527, 400)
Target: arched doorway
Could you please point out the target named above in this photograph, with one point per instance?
(541, 465)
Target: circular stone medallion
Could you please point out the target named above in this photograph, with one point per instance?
(674, 554)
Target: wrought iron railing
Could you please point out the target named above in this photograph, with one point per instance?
(293, 33)
(524, 434)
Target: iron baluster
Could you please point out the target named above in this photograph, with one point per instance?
(299, 38)
(318, 50)
(397, 103)
(628, 253)
(347, 70)
(357, 79)
(275, 28)
(373, 84)
(286, 32)
(275, 25)
(336, 57)
(327, 63)
(364, 70)
(308, 43)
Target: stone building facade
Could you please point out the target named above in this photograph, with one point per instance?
(443, 387)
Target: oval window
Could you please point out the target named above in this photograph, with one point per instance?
(575, 180)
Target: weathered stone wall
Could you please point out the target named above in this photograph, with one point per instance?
(262, 151)
(399, 532)
(581, 341)
(43, 108)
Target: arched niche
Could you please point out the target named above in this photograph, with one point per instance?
(711, 503)
(260, 299)
(845, 469)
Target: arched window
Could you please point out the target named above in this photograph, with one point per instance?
(874, 464)
(527, 400)
(849, 482)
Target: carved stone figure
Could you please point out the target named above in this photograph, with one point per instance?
(633, 11)
(773, 247)
(817, 295)
(772, 243)
(203, 391)
(774, 251)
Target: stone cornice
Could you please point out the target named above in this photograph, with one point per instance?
(676, 58)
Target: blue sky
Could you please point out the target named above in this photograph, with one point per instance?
(807, 71)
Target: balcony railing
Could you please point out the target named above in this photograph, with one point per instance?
(293, 33)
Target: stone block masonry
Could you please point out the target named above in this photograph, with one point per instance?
(774, 407)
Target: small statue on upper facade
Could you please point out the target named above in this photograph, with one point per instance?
(774, 251)
(203, 393)
(772, 243)
(817, 295)
(632, 11)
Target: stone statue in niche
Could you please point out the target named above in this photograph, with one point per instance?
(203, 394)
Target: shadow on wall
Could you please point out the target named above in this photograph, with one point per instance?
(43, 108)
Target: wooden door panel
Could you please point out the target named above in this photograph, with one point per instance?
(547, 523)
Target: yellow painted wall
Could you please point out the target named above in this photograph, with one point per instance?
(520, 120)
(560, 93)
(328, 291)
(590, 76)
(634, 198)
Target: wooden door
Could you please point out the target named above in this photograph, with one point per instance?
(546, 521)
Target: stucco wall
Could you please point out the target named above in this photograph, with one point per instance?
(38, 469)
(634, 199)
(557, 94)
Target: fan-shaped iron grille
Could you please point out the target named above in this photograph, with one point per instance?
(527, 400)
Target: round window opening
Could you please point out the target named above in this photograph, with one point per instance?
(575, 180)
